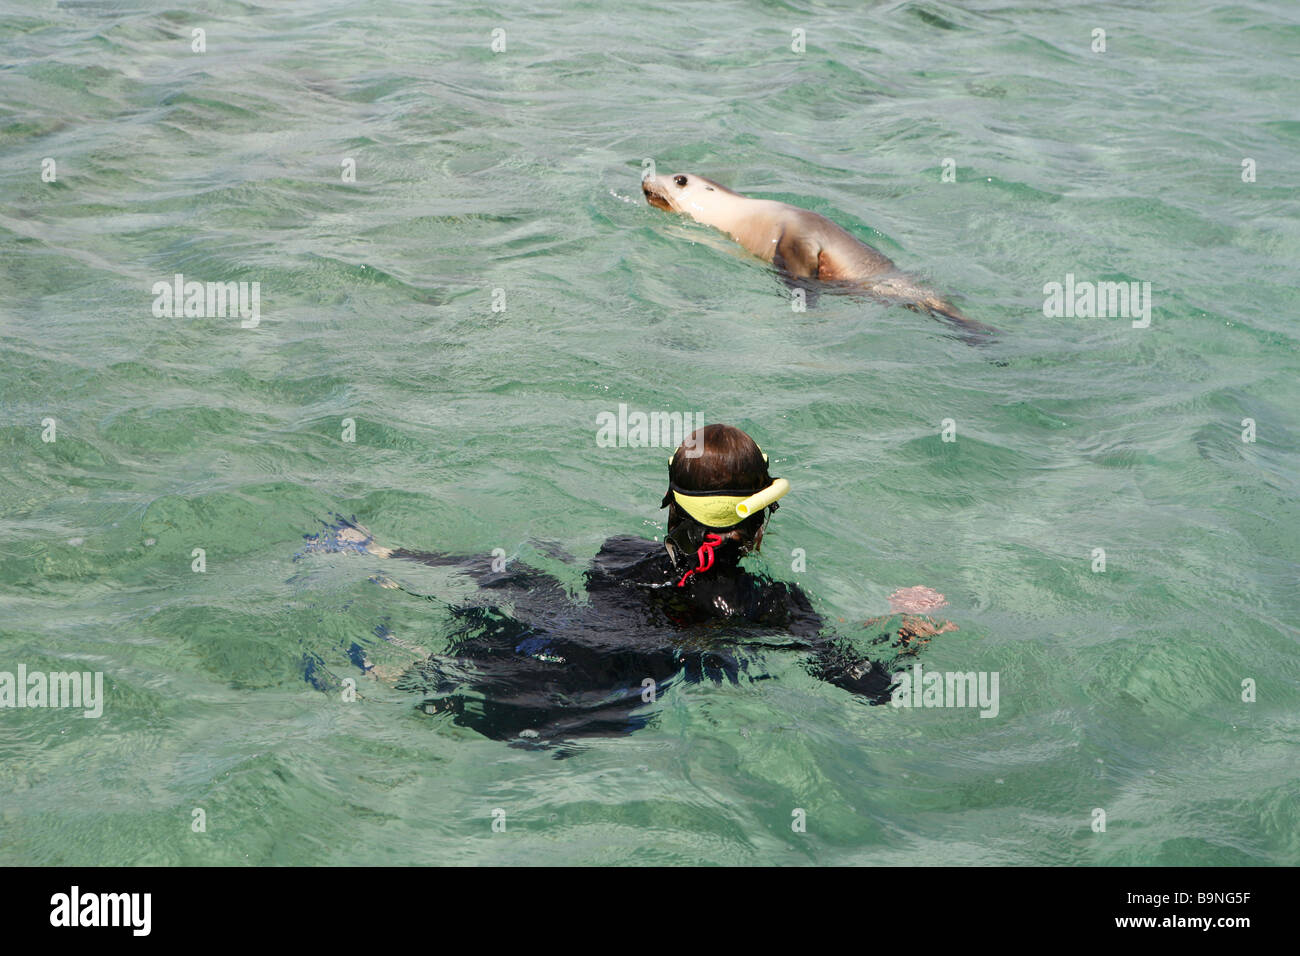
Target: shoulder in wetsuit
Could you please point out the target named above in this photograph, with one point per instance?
(632, 570)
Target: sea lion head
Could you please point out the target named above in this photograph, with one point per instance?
(685, 193)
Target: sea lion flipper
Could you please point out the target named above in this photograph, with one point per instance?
(827, 270)
(797, 254)
(942, 308)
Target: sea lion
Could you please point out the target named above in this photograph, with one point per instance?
(801, 244)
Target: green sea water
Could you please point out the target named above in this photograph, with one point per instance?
(517, 170)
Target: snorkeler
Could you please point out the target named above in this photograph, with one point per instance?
(683, 609)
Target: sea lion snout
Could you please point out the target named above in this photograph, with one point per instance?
(654, 193)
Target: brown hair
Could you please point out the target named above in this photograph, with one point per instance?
(716, 458)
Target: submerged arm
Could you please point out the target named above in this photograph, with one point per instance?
(346, 535)
(838, 662)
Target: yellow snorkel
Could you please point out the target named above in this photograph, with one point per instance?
(723, 509)
(778, 489)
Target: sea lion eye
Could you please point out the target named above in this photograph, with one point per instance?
(680, 180)
(709, 188)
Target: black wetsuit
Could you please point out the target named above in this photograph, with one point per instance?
(551, 668)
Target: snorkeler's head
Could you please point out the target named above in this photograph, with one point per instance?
(718, 483)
